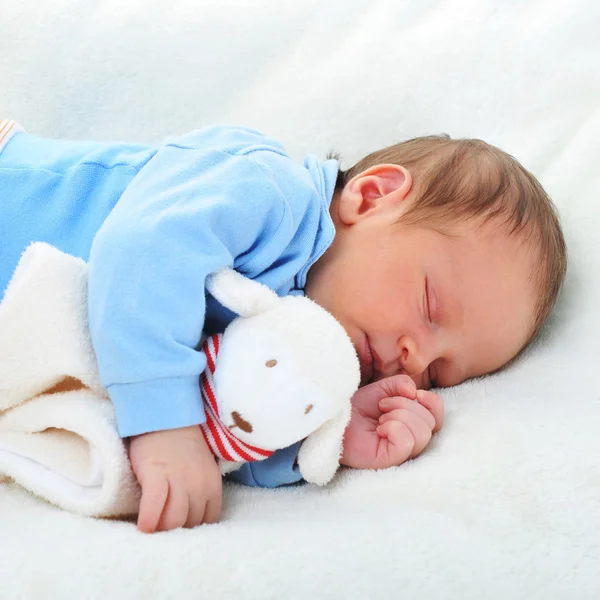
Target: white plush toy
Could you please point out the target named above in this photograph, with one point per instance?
(283, 371)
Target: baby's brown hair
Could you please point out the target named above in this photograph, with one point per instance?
(460, 179)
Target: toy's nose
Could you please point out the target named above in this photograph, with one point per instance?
(239, 422)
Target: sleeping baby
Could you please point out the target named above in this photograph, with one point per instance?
(441, 258)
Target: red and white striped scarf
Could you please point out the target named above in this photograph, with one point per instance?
(221, 441)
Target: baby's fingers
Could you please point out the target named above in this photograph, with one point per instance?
(419, 428)
(176, 511)
(388, 405)
(396, 445)
(155, 491)
(434, 404)
(213, 510)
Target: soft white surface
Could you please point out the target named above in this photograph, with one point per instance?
(506, 503)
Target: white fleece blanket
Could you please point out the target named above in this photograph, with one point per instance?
(58, 436)
(506, 501)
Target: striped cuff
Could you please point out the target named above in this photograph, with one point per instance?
(8, 128)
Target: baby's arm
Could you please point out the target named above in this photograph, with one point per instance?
(197, 206)
(391, 422)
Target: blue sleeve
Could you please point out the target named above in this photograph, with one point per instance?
(189, 211)
(278, 469)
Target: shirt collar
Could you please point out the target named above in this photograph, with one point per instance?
(324, 175)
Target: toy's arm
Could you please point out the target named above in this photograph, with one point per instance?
(278, 469)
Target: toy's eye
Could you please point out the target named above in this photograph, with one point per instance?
(271, 363)
(308, 409)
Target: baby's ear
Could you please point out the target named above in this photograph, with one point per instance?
(240, 294)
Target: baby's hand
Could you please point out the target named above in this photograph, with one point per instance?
(391, 422)
(180, 479)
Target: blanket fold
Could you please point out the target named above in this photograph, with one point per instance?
(58, 436)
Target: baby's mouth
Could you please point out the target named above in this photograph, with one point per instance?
(366, 362)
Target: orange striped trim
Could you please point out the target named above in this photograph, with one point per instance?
(8, 128)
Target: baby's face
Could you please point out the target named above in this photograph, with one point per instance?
(440, 309)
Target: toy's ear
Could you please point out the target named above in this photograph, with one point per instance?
(319, 456)
(240, 294)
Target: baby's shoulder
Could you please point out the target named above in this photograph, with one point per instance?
(232, 139)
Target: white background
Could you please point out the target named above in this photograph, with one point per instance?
(506, 503)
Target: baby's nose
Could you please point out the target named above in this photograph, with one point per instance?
(412, 357)
(241, 423)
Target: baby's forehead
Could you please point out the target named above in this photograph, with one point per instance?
(494, 229)
(491, 254)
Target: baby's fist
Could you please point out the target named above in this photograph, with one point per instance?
(407, 425)
(391, 422)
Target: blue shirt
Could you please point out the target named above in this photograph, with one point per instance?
(153, 222)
